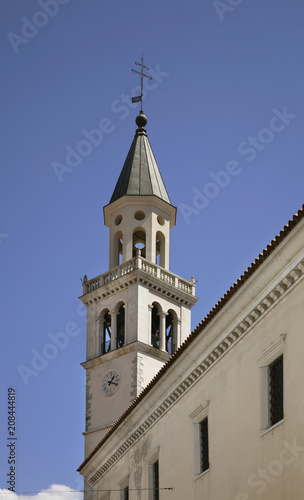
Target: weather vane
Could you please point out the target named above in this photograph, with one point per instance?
(142, 74)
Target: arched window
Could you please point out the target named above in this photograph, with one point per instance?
(106, 332)
(117, 249)
(139, 241)
(155, 326)
(121, 327)
(160, 249)
(171, 334)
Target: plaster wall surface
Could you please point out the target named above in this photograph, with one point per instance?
(136, 369)
(245, 462)
(157, 215)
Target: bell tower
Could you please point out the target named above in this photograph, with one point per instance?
(138, 312)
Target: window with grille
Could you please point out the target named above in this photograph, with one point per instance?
(204, 445)
(200, 421)
(271, 361)
(155, 481)
(276, 412)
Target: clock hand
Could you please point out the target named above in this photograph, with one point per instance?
(110, 382)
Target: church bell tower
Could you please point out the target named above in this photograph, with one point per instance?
(138, 312)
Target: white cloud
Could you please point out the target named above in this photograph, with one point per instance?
(54, 492)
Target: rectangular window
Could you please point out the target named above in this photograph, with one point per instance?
(152, 461)
(124, 488)
(276, 412)
(155, 480)
(204, 445)
(125, 493)
(271, 361)
(199, 418)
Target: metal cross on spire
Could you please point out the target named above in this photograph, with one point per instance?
(142, 74)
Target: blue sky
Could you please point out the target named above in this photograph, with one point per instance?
(225, 121)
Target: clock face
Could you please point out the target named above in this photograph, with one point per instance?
(110, 382)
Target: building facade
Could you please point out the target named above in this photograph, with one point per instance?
(223, 417)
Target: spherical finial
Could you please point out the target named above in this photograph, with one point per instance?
(141, 120)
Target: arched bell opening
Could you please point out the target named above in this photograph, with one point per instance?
(121, 326)
(139, 241)
(171, 332)
(105, 331)
(160, 249)
(117, 249)
(155, 325)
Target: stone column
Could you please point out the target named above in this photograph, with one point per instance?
(138, 258)
(193, 285)
(176, 339)
(99, 336)
(127, 245)
(149, 339)
(150, 245)
(113, 315)
(85, 287)
(125, 306)
(162, 332)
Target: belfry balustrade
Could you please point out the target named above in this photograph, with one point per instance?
(139, 262)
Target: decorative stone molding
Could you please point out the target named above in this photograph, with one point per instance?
(200, 412)
(88, 401)
(121, 351)
(138, 270)
(275, 295)
(272, 351)
(139, 263)
(124, 482)
(137, 376)
(265, 358)
(105, 495)
(151, 457)
(160, 288)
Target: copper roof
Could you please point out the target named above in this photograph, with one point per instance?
(140, 174)
(202, 325)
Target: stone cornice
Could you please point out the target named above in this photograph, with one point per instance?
(140, 200)
(138, 347)
(279, 291)
(156, 284)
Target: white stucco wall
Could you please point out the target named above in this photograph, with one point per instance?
(245, 463)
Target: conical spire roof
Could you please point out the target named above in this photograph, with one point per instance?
(140, 175)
